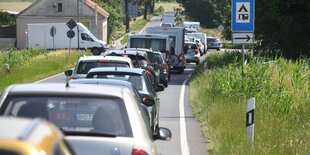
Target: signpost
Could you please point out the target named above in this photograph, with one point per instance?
(53, 33)
(250, 121)
(70, 34)
(242, 24)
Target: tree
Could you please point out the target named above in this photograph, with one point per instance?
(127, 16)
(6, 19)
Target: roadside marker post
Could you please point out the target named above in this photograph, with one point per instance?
(249, 135)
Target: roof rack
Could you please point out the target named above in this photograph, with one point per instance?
(30, 128)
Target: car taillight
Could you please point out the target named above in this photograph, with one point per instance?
(196, 51)
(180, 57)
(124, 55)
(165, 68)
(146, 97)
(71, 79)
(138, 152)
(148, 72)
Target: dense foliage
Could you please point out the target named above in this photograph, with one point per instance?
(6, 19)
(281, 91)
(280, 25)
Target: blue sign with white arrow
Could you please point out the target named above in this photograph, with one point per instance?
(242, 15)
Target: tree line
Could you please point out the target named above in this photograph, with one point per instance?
(281, 26)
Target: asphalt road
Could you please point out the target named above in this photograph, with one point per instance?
(175, 113)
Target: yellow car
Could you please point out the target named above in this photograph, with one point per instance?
(21, 136)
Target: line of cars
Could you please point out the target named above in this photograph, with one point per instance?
(109, 104)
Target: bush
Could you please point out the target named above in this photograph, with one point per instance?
(6, 19)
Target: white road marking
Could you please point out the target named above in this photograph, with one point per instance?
(183, 136)
(48, 78)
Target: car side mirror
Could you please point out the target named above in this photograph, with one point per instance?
(68, 72)
(163, 134)
(149, 102)
(160, 88)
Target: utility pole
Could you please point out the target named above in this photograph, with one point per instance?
(127, 17)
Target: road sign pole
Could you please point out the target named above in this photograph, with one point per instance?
(242, 62)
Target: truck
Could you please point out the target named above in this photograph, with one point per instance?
(202, 37)
(168, 18)
(157, 42)
(54, 36)
(176, 35)
(191, 25)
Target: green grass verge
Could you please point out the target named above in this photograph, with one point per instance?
(282, 92)
(39, 67)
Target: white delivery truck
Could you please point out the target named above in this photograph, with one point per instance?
(168, 19)
(42, 36)
(191, 25)
(202, 37)
(176, 35)
(157, 42)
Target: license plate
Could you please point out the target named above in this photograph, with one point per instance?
(84, 117)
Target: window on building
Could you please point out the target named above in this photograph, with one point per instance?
(59, 7)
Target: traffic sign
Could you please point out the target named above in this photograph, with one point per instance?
(71, 24)
(53, 31)
(70, 34)
(220, 28)
(242, 15)
(243, 38)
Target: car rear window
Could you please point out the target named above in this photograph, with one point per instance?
(73, 114)
(155, 44)
(135, 79)
(191, 46)
(213, 40)
(85, 66)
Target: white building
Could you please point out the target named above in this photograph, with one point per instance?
(61, 11)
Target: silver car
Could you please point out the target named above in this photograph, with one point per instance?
(96, 120)
(192, 52)
(86, 63)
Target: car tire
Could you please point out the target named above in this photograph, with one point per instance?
(197, 62)
(218, 49)
(166, 83)
(96, 51)
(181, 70)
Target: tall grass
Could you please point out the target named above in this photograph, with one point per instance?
(282, 92)
(39, 67)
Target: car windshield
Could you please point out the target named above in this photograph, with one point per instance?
(155, 44)
(74, 114)
(85, 66)
(135, 79)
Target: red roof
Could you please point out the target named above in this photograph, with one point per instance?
(99, 9)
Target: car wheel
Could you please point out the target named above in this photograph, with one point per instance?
(96, 51)
(197, 62)
(169, 76)
(218, 49)
(166, 83)
(181, 70)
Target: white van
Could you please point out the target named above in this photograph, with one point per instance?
(191, 25)
(40, 36)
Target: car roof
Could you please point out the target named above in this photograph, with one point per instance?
(59, 89)
(129, 52)
(139, 49)
(122, 70)
(117, 58)
(103, 82)
(21, 128)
